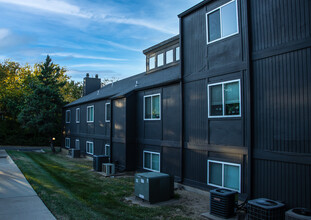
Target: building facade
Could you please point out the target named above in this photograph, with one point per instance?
(226, 103)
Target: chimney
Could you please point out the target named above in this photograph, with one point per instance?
(91, 84)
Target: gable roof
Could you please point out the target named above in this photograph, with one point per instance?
(127, 85)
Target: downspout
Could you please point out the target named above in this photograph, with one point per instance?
(181, 103)
(249, 103)
(110, 135)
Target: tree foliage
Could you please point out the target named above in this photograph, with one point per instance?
(31, 101)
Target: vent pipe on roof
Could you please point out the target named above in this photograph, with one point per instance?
(136, 84)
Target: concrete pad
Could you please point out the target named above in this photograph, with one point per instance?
(143, 203)
(18, 200)
(213, 217)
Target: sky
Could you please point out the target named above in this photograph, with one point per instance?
(104, 37)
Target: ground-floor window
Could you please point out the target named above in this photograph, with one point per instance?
(67, 142)
(89, 147)
(151, 161)
(77, 145)
(107, 150)
(225, 175)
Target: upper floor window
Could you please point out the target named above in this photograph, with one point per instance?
(151, 63)
(90, 114)
(152, 107)
(224, 175)
(77, 145)
(68, 116)
(222, 22)
(160, 60)
(224, 99)
(78, 115)
(107, 112)
(177, 53)
(169, 56)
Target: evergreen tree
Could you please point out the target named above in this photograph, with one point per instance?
(42, 109)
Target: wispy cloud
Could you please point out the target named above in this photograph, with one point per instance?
(92, 65)
(4, 33)
(122, 46)
(54, 6)
(139, 22)
(81, 56)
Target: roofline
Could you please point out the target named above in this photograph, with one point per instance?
(190, 10)
(161, 44)
(115, 96)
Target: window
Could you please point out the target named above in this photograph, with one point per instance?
(152, 107)
(89, 147)
(177, 53)
(222, 22)
(90, 113)
(151, 161)
(151, 63)
(107, 112)
(107, 150)
(160, 59)
(169, 56)
(224, 99)
(68, 116)
(225, 175)
(77, 145)
(78, 115)
(67, 142)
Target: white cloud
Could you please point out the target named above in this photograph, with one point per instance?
(55, 6)
(139, 22)
(4, 33)
(75, 55)
(93, 65)
(122, 46)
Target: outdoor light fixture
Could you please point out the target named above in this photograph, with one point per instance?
(53, 138)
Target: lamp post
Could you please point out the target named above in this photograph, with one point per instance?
(52, 144)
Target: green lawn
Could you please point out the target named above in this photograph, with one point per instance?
(71, 190)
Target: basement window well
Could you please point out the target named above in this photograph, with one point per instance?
(152, 107)
(225, 175)
(222, 22)
(224, 99)
(151, 161)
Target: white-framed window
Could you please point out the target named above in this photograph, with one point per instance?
(107, 150)
(67, 142)
(169, 56)
(77, 115)
(151, 161)
(224, 175)
(152, 107)
(89, 147)
(68, 116)
(151, 63)
(160, 59)
(90, 114)
(107, 112)
(224, 99)
(177, 53)
(222, 22)
(77, 144)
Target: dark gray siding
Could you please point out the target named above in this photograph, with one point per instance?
(202, 64)
(281, 88)
(162, 136)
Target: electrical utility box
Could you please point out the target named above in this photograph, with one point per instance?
(154, 187)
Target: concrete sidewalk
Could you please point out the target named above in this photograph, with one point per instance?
(17, 198)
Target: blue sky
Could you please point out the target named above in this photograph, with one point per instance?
(104, 37)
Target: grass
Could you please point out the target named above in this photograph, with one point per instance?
(71, 190)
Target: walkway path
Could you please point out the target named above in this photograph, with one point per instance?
(17, 198)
